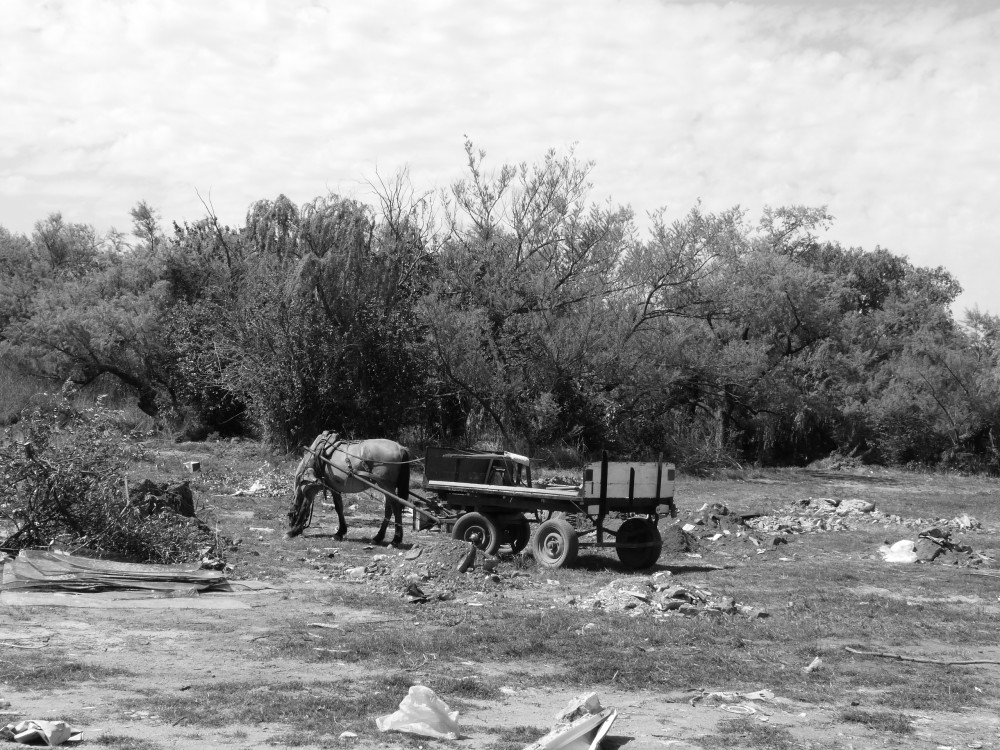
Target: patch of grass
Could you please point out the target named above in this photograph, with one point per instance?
(315, 708)
(880, 721)
(32, 670)
(124, 742)
(749, 733)
(515, 738)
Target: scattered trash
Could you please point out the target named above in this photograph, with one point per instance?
(659, 597)
(581, 725)
(902, 551)
(814, 665)
(347, 735)
(48, 733)
(421, 712)
(193, 466)
(934, 544)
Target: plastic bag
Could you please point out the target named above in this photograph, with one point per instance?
(901, 552)
(50, 733)
(422, 712)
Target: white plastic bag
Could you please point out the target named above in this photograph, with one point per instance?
(422, 712)
(902, 551)
(49, 733)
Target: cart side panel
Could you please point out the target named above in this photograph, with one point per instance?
(630, 480)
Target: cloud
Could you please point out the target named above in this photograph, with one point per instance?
(887, 113)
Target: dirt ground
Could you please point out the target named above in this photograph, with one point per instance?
(175, 644)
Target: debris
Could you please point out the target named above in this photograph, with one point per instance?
(154, 497)
(582, 724)
(902, 551)
(48, 733)
(659, 599)
(421, 712)
(814, 665)
(469, 561)
(900, 657)
(193, 466)
(57, 571)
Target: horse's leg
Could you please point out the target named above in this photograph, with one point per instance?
(338, 503)
(397, 513)
(380, 536)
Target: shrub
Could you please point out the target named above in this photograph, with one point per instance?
(64, 479)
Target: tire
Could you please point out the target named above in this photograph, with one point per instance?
(517, 535)
(555, 544)
(481, 530)
(638, 531)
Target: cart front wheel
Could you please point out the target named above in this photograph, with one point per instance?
(481, 530)
(517, 535)
(638, 531)
(555, 543)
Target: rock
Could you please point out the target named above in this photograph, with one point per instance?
(926, 549)
(855, 505)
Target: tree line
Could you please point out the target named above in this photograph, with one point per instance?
(513, 307)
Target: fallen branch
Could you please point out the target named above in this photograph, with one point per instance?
(900, 657)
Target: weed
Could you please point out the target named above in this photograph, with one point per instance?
(34, 671)
(515, 738)
(880, 721)
(749, 733)
(124, 742)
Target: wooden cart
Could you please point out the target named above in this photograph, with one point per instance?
(488, 498)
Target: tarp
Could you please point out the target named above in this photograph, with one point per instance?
(40, 570)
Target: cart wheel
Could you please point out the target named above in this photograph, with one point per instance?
(555, 544)
(481, 530)
(638, 531)
(517, 535)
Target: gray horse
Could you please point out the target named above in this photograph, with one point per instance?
(334, 465)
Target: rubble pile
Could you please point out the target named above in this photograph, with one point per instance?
(435, 568)
(935, 545)
(717, 523)
(820, 514)
(658, 596)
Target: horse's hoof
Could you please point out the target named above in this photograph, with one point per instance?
(339, 537)
(292, 533)
(378, 540)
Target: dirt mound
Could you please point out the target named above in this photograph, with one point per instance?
(434, 569)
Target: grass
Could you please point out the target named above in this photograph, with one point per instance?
(34, 670)
(516, 738)
(316, 708)
(879, 721)
(124, 742)
(749, 733)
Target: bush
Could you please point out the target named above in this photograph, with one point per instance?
(64, 480)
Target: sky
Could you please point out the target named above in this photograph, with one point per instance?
(885, 112)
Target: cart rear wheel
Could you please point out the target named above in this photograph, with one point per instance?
(517, 535)
(555, 543)
(638, 531)
(481, 530)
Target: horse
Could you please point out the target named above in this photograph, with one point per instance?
(334, 465)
